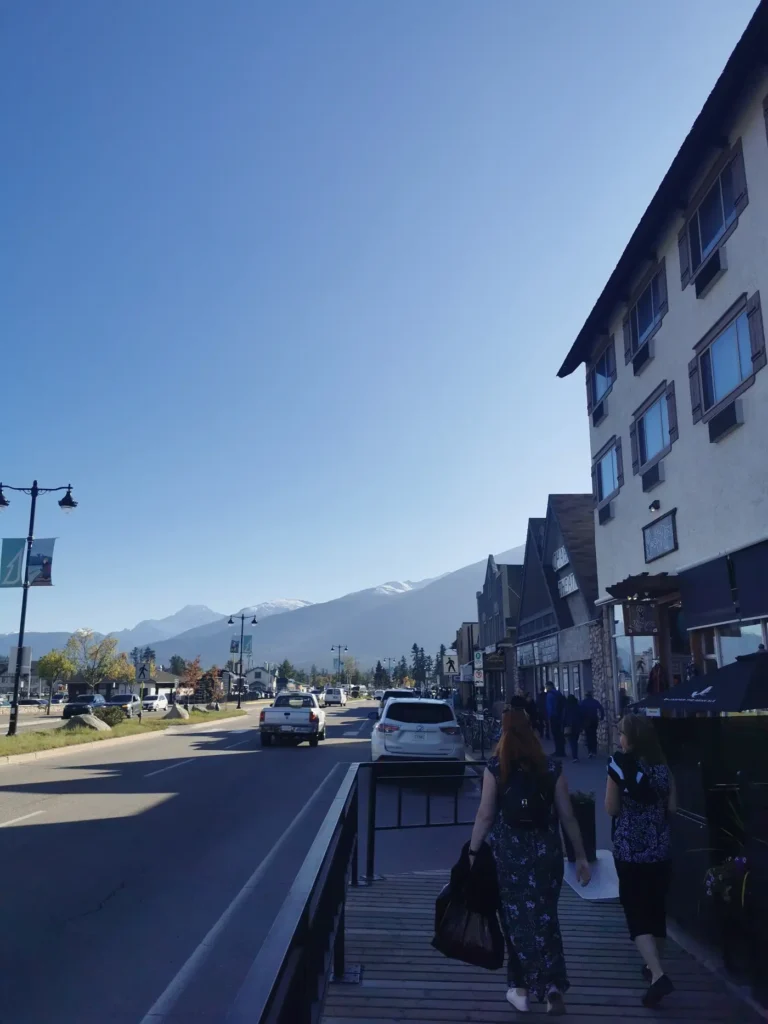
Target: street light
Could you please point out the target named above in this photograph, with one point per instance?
(389, 667)
(242, 627)
(66, 504)
(341, 650)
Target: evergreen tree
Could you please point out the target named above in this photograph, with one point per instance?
(401, 670)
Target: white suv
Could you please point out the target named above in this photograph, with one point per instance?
(411, 730)
(335, 695)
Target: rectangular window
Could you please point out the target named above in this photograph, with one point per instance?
(607, 475)
(648, 311)
(653, 430)
(716, 211)
(726, 363)
(601, 377)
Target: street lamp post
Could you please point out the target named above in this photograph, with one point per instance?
(341, 650)
(389, 667)
(66, 504)
(242, 627)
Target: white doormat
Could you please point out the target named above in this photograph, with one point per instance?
(604, 884)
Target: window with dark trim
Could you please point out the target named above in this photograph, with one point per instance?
(714, 213)
(601, 374)
(654, 428)
(727, 358)
(607, 472)
(646, 312)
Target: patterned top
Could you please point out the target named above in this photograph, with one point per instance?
(641, 830)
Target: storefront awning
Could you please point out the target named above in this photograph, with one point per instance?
(644, 586)
(707, 595)
(742, 686)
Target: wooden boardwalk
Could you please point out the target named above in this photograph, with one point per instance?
(389, 928)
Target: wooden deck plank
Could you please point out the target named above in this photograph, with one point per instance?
(389, 929)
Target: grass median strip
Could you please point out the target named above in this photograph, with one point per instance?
(50, 739)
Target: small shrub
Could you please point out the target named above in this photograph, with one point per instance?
(112, 716)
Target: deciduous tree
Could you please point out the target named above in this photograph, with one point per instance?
(94, 659)
(54, 667)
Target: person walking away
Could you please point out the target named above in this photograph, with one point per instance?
(572, 724)
(555, 711)
(592, 714)
(532, 711)
(524, 795)
(640, 796)
(542, 717)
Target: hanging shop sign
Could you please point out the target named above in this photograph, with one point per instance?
(640, 619)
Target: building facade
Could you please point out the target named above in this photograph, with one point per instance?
(498, 606)
(677, 400)
(558, 621)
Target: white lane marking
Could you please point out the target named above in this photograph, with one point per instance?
(160, 1009)
(176, 764)
(24, 817)
(241, 743)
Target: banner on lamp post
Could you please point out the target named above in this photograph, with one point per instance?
(12, 562)
(247, 644)
(234, 645)
(40, 562)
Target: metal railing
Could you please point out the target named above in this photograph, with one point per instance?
(305, 948)
(481, 730)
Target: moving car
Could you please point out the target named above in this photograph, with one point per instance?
(127, 702)
(403, 694)
(85, 704)
(378, 694)
(293, 717)
(156, 702)
(319, 693)
(410, 730)
(335, 695)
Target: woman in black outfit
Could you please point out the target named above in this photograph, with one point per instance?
(640, 796)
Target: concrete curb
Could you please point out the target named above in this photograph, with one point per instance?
(41, 755)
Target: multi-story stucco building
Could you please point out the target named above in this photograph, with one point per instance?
(677, 398)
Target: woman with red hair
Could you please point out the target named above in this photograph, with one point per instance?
(524, 796)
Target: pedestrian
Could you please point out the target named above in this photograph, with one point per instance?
(555, 711)
(531, 710)
(592, 713)
(542, 719)
(572, 724)
(640, 796)
(517, 701)
(524, 796)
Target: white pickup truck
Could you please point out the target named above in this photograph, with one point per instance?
(292, 718)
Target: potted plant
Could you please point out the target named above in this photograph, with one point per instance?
(584, 812)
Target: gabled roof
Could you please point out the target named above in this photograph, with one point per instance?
(576, 518)
(748, 58)
(533, 575)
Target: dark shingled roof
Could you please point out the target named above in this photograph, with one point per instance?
(748, 58)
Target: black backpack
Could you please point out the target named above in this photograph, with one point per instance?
(528, 798)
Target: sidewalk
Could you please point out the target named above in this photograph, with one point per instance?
(389, 929)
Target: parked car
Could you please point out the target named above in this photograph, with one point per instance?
(410, 730)
(335, 695)
(293, 717)
(128, 702)
(318, 692)
(355, 691)
(378, 694)
(85, 704)
(59, 698)
(156, 702)
(32, 702)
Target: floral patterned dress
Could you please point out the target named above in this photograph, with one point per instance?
(529, 865)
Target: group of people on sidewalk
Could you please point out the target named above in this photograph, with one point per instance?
(563, 718)
(525, 799)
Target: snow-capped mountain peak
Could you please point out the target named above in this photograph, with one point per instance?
(393, 587)
(275, 607)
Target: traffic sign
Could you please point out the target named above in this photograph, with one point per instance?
(478, 660)
(478, 676)
(450, 664)
(143, 672)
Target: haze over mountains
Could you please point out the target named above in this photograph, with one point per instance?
(376, 623)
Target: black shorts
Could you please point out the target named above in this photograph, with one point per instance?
(643, 895)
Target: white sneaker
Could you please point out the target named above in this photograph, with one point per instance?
(519, 1002)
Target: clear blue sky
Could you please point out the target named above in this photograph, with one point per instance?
(284, 287)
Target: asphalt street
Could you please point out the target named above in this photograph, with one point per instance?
(118, 864)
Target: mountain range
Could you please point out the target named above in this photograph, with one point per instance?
(378, 623)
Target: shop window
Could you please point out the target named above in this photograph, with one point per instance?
(739, 638)
(576, 680)
(566, 680)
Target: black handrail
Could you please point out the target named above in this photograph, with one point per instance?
(304, 949)
(287, 981)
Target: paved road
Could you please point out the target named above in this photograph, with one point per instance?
(118, 863)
